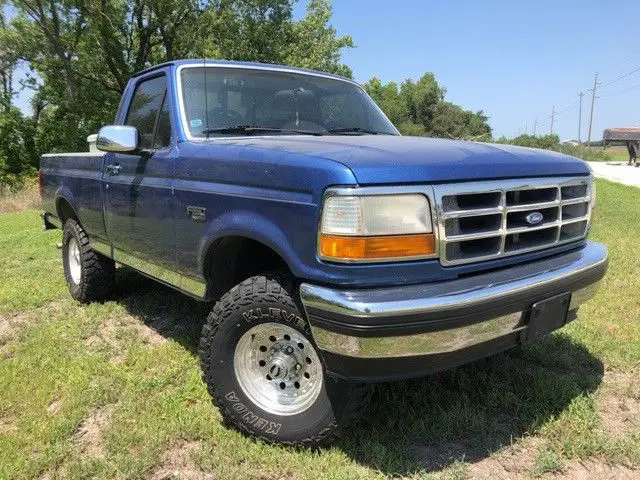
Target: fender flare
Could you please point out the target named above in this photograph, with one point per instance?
(63, 193)
(249, 225)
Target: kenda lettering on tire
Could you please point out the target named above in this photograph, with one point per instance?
(251, 418)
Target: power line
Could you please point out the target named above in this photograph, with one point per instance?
(619, 92)
(566, 109)
(635, 70)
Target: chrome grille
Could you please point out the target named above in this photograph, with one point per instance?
(485, 220)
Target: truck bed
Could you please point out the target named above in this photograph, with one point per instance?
(76, 177)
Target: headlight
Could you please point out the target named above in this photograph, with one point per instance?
(376, 228)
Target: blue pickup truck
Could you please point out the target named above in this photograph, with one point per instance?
(337, 252)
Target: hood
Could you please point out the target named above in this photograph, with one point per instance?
(398, 159)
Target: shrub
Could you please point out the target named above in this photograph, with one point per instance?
(552, 142)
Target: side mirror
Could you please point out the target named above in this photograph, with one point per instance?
(117, 138)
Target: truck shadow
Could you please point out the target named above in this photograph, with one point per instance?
(470, 412)
(464, 414)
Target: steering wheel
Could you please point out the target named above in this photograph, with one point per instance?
(226, 118)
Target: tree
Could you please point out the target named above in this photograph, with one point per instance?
(315, 44)
(16, 147)
(388, 99)
(418, 108)
(421, 98)
(451, 121)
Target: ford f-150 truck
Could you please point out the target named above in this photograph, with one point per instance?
(338, 253)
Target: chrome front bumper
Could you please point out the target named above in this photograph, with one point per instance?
(445, 317)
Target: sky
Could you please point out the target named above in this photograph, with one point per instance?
(513, 59)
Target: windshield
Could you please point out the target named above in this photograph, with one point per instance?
(235, 101)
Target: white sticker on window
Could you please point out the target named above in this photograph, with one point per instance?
(195, 123)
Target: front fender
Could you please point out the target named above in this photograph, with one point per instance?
(251, 225)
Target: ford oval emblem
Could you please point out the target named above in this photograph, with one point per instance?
(534, 218)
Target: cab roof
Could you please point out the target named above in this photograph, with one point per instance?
(237, 63)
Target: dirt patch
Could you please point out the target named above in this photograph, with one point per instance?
(618, 403)
(89, 437)
(512, 462)
(591, 470)
(12, 325)
(114, 333)
(7, 427)
(54, 406)
(517, 465)
(618, 414)
(176, 462)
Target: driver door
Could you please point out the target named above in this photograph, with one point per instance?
(139, 205)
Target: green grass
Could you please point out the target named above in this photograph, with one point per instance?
(113, 390)
(610, 154)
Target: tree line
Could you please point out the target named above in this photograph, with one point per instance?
(79, 54)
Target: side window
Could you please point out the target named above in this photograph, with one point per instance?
(163, 131)
(144, 110)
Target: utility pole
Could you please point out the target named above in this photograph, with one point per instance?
(593, 101)
(535, 126)
(581, 94)
(553, 116)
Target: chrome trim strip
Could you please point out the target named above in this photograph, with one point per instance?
(475, 236)
(504, 186)
(271, 68)
(430, 343)
(583, 295)
(166, 275)
(195, 287)
(101, 247)
(472, 213)
(442, 298)
(73, 154)
(427, 191)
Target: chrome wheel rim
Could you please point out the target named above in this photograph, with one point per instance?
(73, 260)
(278, 369)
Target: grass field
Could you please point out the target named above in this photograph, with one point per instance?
(113, 390)
(611, 154)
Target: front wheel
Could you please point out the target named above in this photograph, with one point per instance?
(264, 372)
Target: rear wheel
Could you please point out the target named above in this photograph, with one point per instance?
(90, 276)
(264, 373)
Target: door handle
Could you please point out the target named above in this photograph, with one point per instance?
(113, 169)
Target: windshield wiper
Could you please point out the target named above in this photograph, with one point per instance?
(362, 131)
(249, 129)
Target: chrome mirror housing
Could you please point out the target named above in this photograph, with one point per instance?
(117, 138)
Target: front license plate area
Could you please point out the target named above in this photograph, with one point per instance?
(548, 315)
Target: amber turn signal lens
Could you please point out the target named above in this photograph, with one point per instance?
(369, 248)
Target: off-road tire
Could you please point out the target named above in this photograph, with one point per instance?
(97, 272)
(339, 403)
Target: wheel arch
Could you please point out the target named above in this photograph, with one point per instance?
(240, 245)
(230, 259)
(65, 208)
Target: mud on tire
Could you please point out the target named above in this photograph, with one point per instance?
(267, 405)
(90, 276)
